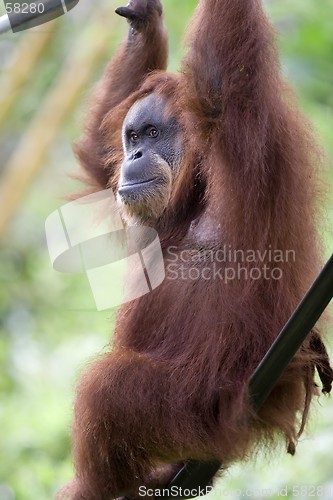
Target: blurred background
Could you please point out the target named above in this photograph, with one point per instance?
(48, 325)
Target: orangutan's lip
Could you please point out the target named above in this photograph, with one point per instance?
(126, 188)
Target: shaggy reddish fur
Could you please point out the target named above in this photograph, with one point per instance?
(174, 385)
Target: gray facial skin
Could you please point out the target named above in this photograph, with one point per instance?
(153, 151)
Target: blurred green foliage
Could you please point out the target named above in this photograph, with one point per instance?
(48, 326)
